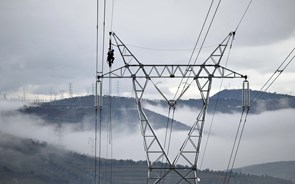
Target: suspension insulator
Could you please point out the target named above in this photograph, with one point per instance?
(246, 95)
(110, 58)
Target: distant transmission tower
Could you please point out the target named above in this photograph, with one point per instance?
(92, 88)
(118, 88)
(62, 94)
(157, 150)
(24, 94)
(51, 93)
(70, 90)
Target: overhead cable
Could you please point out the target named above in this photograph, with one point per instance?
(242, 18)
(214, 112)
(196, 44)
(112, 15)
(234, 148)
(274, 76)
(96, 100)
(202, 44)
(110, 129)
(262, 91)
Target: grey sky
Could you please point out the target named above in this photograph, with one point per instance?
(48, 44)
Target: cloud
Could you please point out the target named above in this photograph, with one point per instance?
(267, 137)
(49, 44)
(43, 43)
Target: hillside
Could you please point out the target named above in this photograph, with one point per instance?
(260, 101)
(28, 161)
(124, 112)
(284, 170)
(81, 109)
(230, 101)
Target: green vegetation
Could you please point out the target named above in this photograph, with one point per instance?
(124, 112)
(283, 169)
(31, 162)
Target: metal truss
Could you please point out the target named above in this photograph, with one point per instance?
(141, 75)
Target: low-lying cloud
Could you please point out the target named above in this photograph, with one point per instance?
(268, 136)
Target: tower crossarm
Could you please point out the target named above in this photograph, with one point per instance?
(172, 71)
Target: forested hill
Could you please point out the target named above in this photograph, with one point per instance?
(81, 110)
(283, 169)
(124, 112)
(230, 101)
(28, 161)
(260, 101)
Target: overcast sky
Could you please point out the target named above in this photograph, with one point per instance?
(45, 45)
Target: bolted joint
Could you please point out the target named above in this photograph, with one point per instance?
(172, 166)
(172, 103)
(98, 78)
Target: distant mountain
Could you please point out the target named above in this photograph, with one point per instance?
(81, 109)
(124, 112)
(260, 101)
(28, 161)
(230, 101)
(284, 170)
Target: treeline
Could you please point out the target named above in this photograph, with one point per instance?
(31, 162)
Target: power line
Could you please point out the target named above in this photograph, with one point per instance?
(239, 122)
(109, 144)
(112, 15)
(238, 145)
(240, 130)
(234, 150)
(197, 42)
(267, 85)
(202, 44)
(98, 101)
(242, 18)
(213, 115)
(96, 98)
(211, 22)
(109, 130)
(273, 77)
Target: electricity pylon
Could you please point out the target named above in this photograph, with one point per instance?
(202, 75)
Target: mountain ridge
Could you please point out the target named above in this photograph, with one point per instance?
(28, 161)
(124, 110)
(281, 169)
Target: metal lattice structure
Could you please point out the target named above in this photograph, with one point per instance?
(202, 75)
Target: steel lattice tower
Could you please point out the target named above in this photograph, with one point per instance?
(202, 75)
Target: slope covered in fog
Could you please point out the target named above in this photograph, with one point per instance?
(283, 169)
(230, 101)
(28, 161)
(81, 109)
(124, 111)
